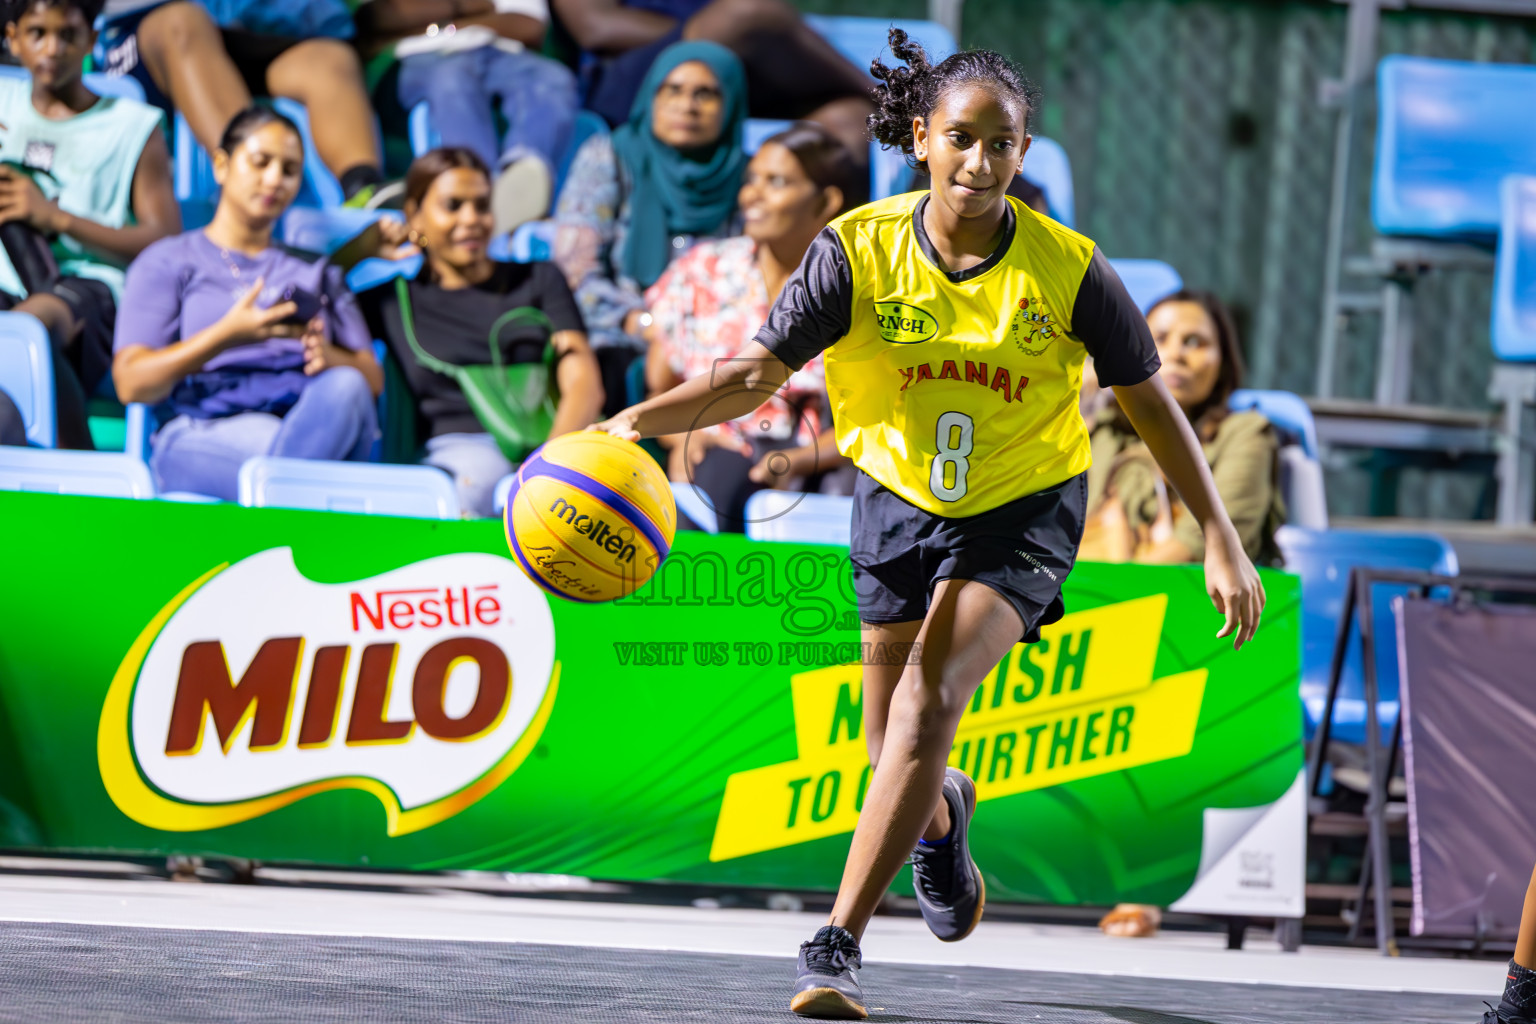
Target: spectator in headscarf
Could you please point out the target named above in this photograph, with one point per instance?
(637, 200)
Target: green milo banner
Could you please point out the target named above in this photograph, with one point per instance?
(352, 690)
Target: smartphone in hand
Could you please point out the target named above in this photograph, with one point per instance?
(309, 304)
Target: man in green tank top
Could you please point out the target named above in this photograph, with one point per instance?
(85, 180)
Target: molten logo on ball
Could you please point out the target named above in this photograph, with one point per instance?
(590, 517)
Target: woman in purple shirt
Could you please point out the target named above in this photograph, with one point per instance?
(215, 334)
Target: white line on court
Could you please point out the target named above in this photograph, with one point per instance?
(439, 914)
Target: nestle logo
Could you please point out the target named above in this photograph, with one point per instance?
(427, 607)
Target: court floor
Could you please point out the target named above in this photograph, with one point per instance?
(81, 950)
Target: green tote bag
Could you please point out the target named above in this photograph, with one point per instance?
(515, 404)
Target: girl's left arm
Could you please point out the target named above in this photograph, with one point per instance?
(1230, 578)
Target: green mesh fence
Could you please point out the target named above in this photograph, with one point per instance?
(1197, 136)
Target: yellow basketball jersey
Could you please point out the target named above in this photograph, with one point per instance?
(957, 391)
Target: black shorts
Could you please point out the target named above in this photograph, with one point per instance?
(91, 303)
(95, 310)
(251, 52)
(1023, 550)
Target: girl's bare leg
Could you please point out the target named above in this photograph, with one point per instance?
(184, 52)
(968, 629)
(1525, 940)
(881, 676)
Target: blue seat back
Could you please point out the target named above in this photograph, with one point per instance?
(324, 230)
(862, 40)
(1514, 276)
(26, 374)
(691, 503)
(502, 491)
(197, 190)
(1290, 415)
(140, 425)
(1046, 165)
(803, 518)
(1323, 560)
(757, 130)
(1147, 280)
(105, 474)
(268, 481)
(1447, 133)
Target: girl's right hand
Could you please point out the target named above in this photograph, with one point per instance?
(621, 425)
(246, 322)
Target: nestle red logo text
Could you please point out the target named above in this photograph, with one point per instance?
(427, 607)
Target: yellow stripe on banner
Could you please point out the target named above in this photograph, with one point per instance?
(1058, 711)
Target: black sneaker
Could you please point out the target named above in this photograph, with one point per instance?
(1504, 1015)
(948, 883)
(824, 983)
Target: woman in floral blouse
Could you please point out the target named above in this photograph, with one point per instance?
(711, 301)
(636, 200)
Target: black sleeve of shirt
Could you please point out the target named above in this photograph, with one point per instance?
(816, 306)
(1109, 324)
(556, 300)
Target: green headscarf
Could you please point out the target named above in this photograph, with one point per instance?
(676, 193)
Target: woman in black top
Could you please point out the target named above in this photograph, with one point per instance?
(455, 302)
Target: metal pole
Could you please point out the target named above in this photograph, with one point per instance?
(1335, 675)
(1359, 61)
(1376, 803)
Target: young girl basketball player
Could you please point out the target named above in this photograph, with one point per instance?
(955, 324)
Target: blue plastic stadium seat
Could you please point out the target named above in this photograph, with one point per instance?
(803, 518)
(1046, 165)
(140, 425)
(756, 131)
(372, 272)
(503, 489)
(1147, 280)
(862, 40)
(26, 374)
(695, 506)
(106, 474)
(1301, 472)
(194, 166)
(1323, 559)
(1514, 276)
(268, 481)
(1447, 133)
(324, 230)
(1287, 411)
(532, 241)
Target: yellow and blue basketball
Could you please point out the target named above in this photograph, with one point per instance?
(590, 516)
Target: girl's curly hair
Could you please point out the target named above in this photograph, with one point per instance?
(915, 90)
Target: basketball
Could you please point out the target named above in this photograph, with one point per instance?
(590, 516)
